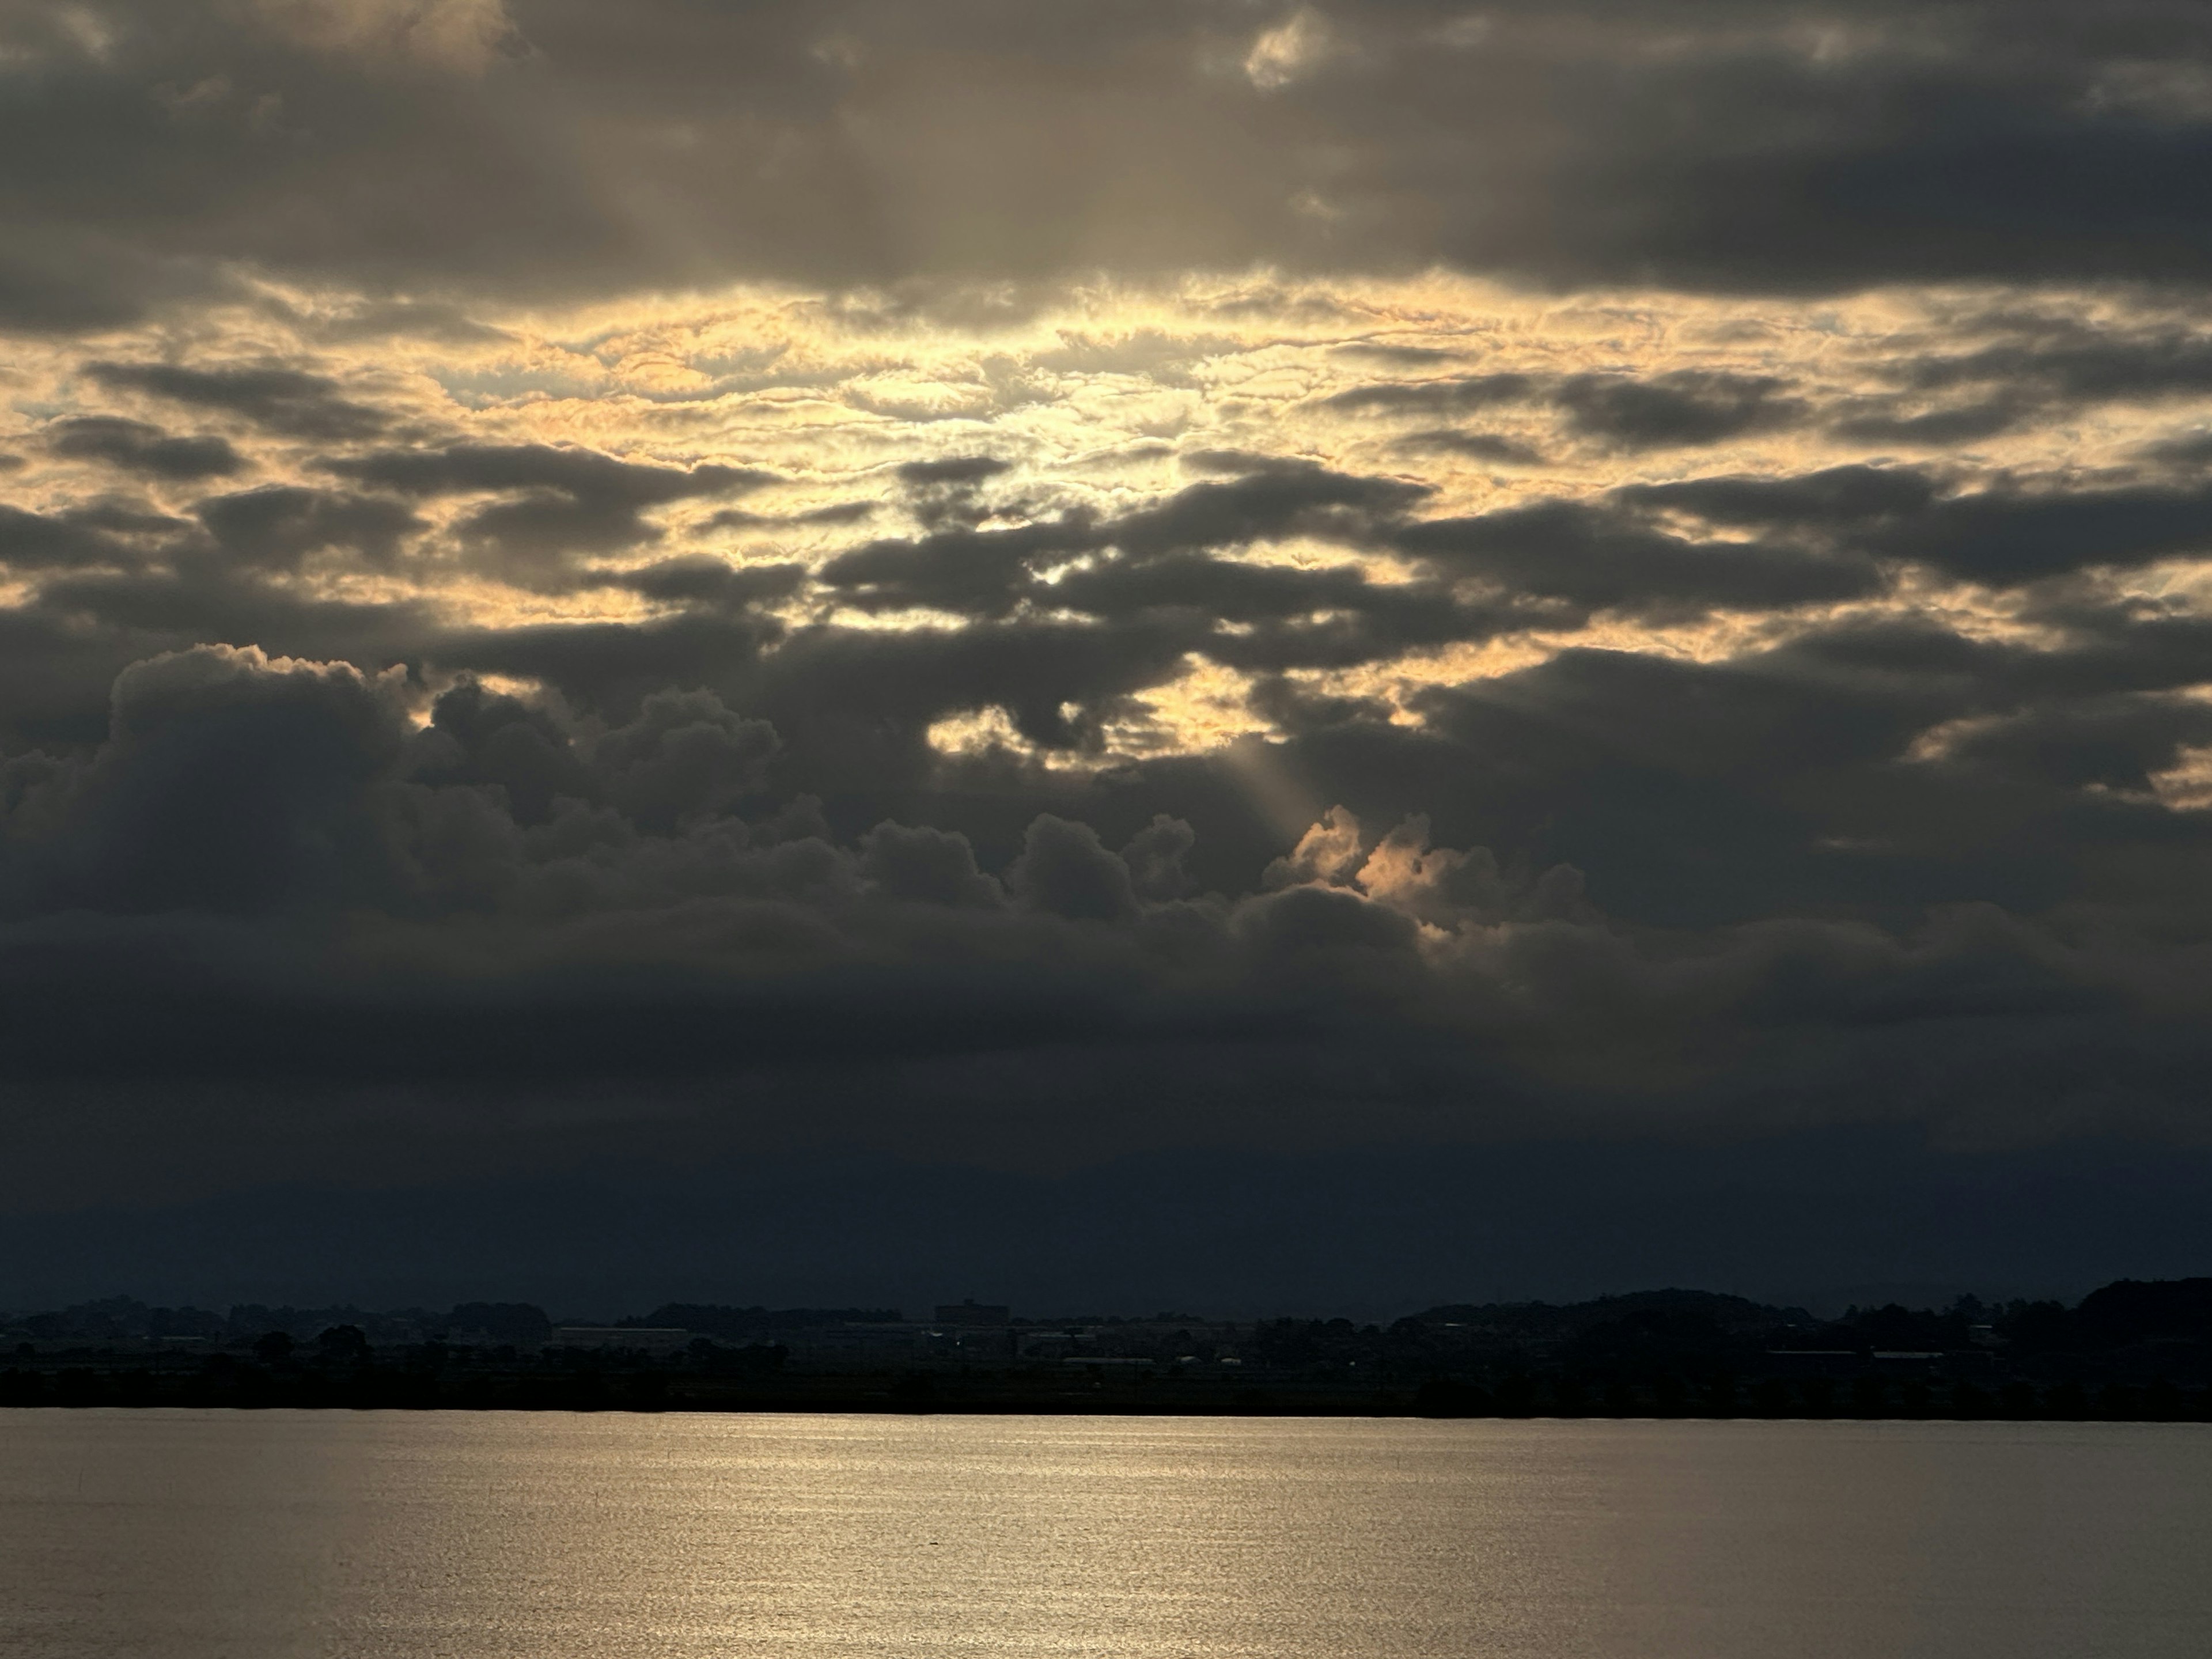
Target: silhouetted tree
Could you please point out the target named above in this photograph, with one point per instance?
(1968, 1402)
(2067, 1401)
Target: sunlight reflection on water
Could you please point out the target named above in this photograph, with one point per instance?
(250, 1536)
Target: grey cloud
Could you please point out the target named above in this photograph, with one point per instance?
(2005, 535)
(425, 318)
(137, 446)
(2112, 743)
(684, 757)
(975, 571)
(110, 589)
(364, 811)
(2008, 536)
(737, 518)
(521, 894)
(584, 475)
(955, 471)
(862, 701)
(278, 525)
(1573, 552)
(610, 668)
(1831, 499)
(525, 535)
(479, 739)
(286, 401)
(230, 784)
(1155, 857)
(2188, 450)
(37, 541)
(64, 280)
(563, 501)
(2072, 363)
(984, 572)
(1870, 864)
(1684, 143)
(700, 579)
(1066, 869)
(1461, 395)
(1935, 428)
(1475, 446)
(922, 865)
(1681, 409)
(1272, 499)
(854, 706)
(1677, 408)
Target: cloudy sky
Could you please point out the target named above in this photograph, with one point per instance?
(1131, 608)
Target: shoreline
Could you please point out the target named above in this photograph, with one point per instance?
(647, 1393)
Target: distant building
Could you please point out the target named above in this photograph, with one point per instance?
(972, 1313)
(652, 1338)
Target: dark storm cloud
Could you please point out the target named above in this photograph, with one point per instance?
(1752, 878)
(521, 902)
(136, 446)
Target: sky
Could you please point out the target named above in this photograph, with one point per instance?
(1108, 652)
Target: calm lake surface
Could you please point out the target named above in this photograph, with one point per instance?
(243, 1535)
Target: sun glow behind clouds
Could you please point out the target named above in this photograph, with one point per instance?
(926, 423)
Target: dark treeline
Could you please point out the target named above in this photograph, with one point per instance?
(2132, 1350)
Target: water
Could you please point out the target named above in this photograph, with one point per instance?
(220, 1535)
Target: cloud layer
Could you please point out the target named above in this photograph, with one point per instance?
(1032, 588)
